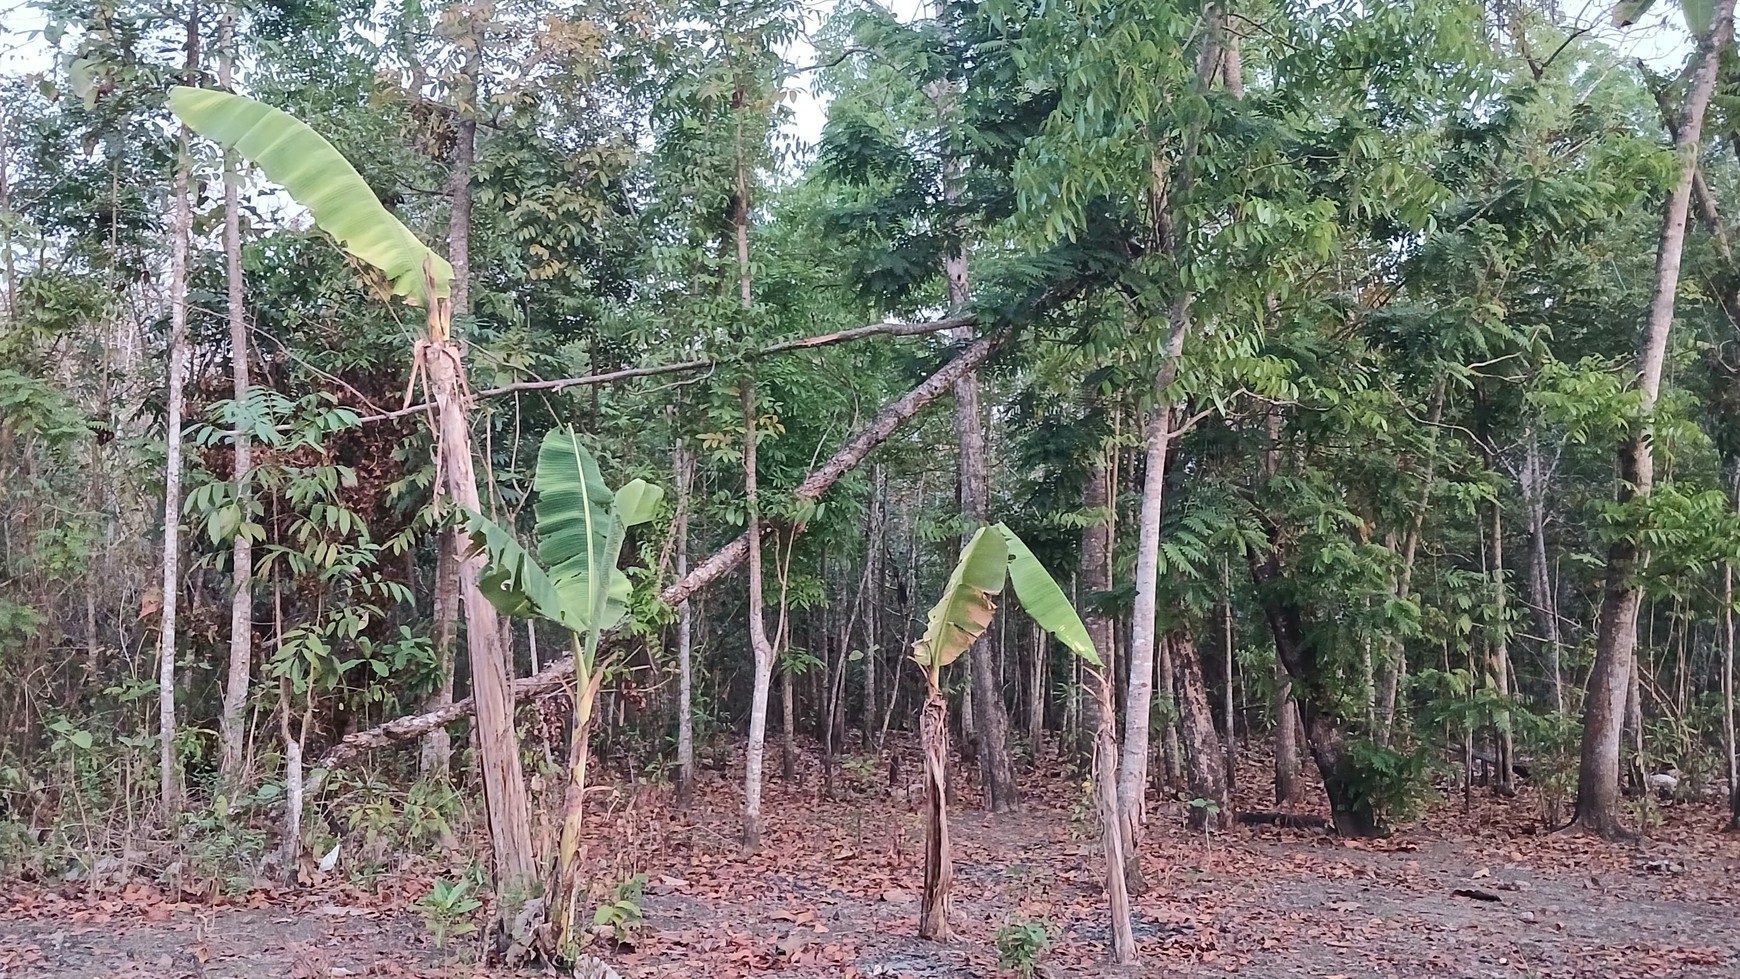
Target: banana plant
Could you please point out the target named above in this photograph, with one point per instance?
(993, 556)
(318, 176)
(574, 583)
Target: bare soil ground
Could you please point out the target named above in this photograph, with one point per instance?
(833, 893)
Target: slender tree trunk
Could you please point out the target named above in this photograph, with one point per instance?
(873, 611)
(6, 226)
(1287, 722)
(1541, 601)
(1637, 772)
(437, 750)
(293, 784)
(1170, 193)
(685, 469)
(908, 612)
(788, 736)
(232, 721)
(758, 641)
(1139, 699)
(1232, 737)
(1165, 681)
(1096, 580)
(989, 716)
(293, 773)
(834, 728)
(1204, 755)
(1598, 809)
(1728, 737)
(1287, 726)
(169, 789)
(1500, 647)
(1036, 694)
(1111, 836)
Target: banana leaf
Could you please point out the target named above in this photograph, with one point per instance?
(968, 602)
(318, 176)
(1045, 601)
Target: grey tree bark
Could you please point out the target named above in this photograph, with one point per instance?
(684, 464)
(169, 786)
(1139, 699)
(232, 720)
(873, 611)
(1542, 603)
(1096, 579)
(1598, 802)
(1204, 755)
(758, 641)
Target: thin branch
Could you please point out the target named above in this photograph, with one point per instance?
(824, 340)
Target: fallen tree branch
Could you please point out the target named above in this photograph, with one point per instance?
(824, 340)
(555, 676)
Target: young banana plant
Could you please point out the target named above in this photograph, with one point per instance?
(581, 526)
(960, 617)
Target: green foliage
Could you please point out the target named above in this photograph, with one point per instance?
(1020, 946)
(622, 916)
(1553, 746)
(222, 844)
(1043, 600)
(581, 527)
(1391, 784)
(447, 910)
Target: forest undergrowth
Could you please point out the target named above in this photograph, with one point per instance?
(1481, 890)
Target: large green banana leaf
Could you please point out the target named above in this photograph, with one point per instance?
(581, 526)
(1044, 600)
(967, 604)
(318, 176)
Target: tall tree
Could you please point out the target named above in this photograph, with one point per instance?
(1598, 809)
(683, 462)
(181, 230)
(232, 722)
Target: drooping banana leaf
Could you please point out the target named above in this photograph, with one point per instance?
(318, 176)
(1044, 600)
(963, 613)
(514, 583)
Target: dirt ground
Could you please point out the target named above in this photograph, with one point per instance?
(833, 893)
